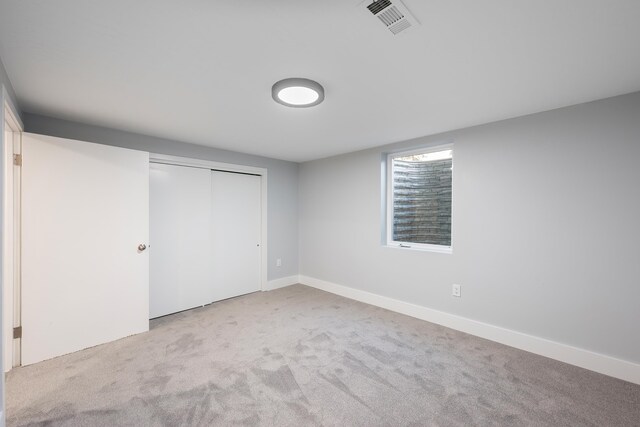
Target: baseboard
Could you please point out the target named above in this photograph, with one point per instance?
(282, 282)
(597, 362)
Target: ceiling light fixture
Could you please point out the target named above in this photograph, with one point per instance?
(297, 92)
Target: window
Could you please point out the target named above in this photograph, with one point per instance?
(419, 199)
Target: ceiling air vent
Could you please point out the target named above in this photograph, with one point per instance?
(395, 16)
(377, 6)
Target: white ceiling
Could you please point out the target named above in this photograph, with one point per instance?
(201, 71)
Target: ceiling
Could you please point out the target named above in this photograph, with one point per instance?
(201, 71)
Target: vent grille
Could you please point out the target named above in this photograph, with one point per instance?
(395, 16)
(378, 5)
(400, 26)
(390, 16)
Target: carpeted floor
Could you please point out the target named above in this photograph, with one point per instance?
(298, 356)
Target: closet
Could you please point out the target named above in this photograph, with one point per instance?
(205, 236)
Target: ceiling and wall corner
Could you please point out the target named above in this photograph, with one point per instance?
(187, 71)
(6, 84)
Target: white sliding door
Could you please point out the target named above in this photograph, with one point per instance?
(84, 215)
(180, 226)
(236, 233)
(205, 237)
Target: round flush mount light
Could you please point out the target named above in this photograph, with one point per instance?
(297, 92)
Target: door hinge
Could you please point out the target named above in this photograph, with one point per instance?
(17, 159)
(17, 332)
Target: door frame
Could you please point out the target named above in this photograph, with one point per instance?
(230, 167)
(11, 234)
(8, 114)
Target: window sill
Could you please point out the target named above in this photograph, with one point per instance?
(421, 247)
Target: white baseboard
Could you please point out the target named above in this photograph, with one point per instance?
(282, 282)
(597, 362)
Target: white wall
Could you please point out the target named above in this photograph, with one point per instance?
(546, 227)
(282, 200)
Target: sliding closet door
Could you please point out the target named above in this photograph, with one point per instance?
(181, 250)
(85, 211)
(205, 237)
(236, 215)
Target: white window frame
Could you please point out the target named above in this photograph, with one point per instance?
(389, 201)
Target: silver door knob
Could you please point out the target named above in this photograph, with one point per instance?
(142, 247)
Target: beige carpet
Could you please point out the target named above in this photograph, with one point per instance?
(298, 356)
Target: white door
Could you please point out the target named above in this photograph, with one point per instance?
(235, 218)
(85, 211)
(180, 227)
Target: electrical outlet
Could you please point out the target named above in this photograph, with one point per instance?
(455, 290)
(279, 262)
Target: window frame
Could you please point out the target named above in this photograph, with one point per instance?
(389, 200)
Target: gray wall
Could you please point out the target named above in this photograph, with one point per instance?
(282, 210)
(546, 227)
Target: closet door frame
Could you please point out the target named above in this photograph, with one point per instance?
(229, 167)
